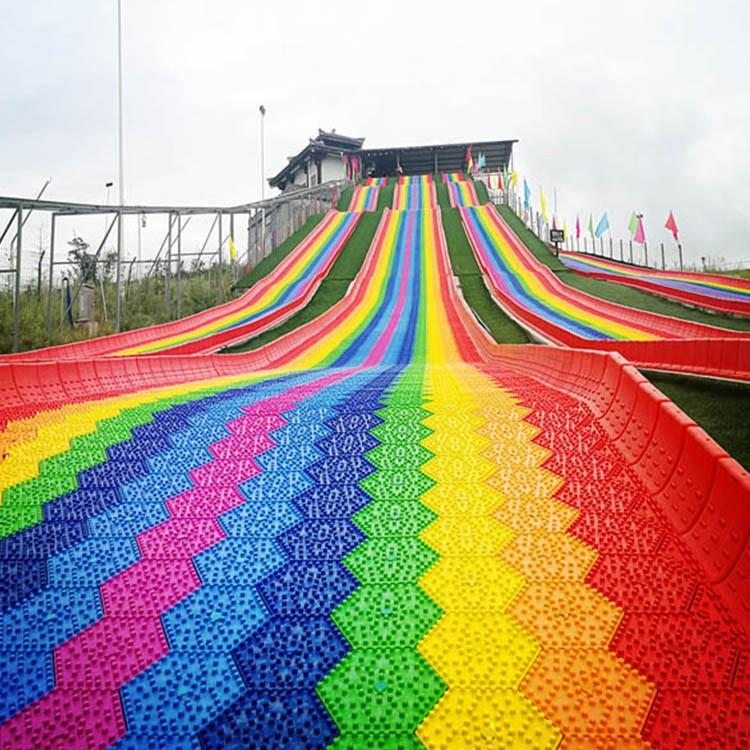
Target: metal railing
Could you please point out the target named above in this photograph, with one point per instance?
(269, 222)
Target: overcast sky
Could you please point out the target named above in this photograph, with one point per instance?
(640, 106)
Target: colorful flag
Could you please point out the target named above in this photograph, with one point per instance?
(603, 225)
(514, 178)
(543, 202)
(591, 226)
(506, 180)
(481, 161)
(578, 228)
(633, 223)
(526, 194)
(554, 222)
(672, 226)
(565, 229)
(469, 160)
(640, 235)
(232, 249)
(69, 302)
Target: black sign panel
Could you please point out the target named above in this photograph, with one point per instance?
(556, 235)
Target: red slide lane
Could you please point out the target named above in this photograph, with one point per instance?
(693, 299)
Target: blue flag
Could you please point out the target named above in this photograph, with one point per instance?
(526, 194)
(481, 161)
(70, 303)
(602, 226)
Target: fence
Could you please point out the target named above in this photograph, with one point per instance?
(269, 222)
(617, 249)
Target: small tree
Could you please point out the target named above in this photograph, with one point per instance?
(85, 262)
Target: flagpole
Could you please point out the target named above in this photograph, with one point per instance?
(121, 186)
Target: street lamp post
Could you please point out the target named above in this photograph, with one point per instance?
(120, 233)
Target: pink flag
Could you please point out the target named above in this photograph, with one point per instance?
(554, 223)
(640, 235)
(578, 229)
(672, 226)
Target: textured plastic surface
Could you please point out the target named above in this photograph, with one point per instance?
(404, 535)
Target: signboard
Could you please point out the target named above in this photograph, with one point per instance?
(556, 235)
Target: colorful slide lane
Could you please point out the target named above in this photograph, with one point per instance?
(461, 191)
(556, 313)
(414, 192)
(710, 291)
(380, 530)
(288, 288)
(365, 197)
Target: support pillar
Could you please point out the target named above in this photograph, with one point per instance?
(17, 286)
(168, 272)
(51, 270)
(179, 265)
(220, 275)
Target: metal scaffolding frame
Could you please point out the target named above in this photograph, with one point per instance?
(263, 225)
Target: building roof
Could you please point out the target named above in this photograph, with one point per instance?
(324, 143)
(449, 157)
(336, 140)
(410, 160)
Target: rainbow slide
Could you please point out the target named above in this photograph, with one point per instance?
(287, 289)
(461, 192)
(558, 314)
(710, 291)
(414, 192)
(379, 530)
(365, 196)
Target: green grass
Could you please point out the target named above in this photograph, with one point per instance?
(385, 196)
(441, 191)
(345, 199)
(273, 259)
(613, 292)
(464, 264)
(719, 408)
(482, 193)
(333, 287)
(143, 304)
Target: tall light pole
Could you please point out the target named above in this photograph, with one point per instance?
(262, 155)
(120, 233)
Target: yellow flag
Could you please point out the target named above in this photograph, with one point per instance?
(514, 178)
(543, 201)
(565, 229)
(232, 248)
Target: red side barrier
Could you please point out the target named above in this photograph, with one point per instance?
(703, 492)
(694, 348)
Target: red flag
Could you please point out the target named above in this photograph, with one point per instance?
(554, 223)
(672, 226)
(578, 229)
(469, 161)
